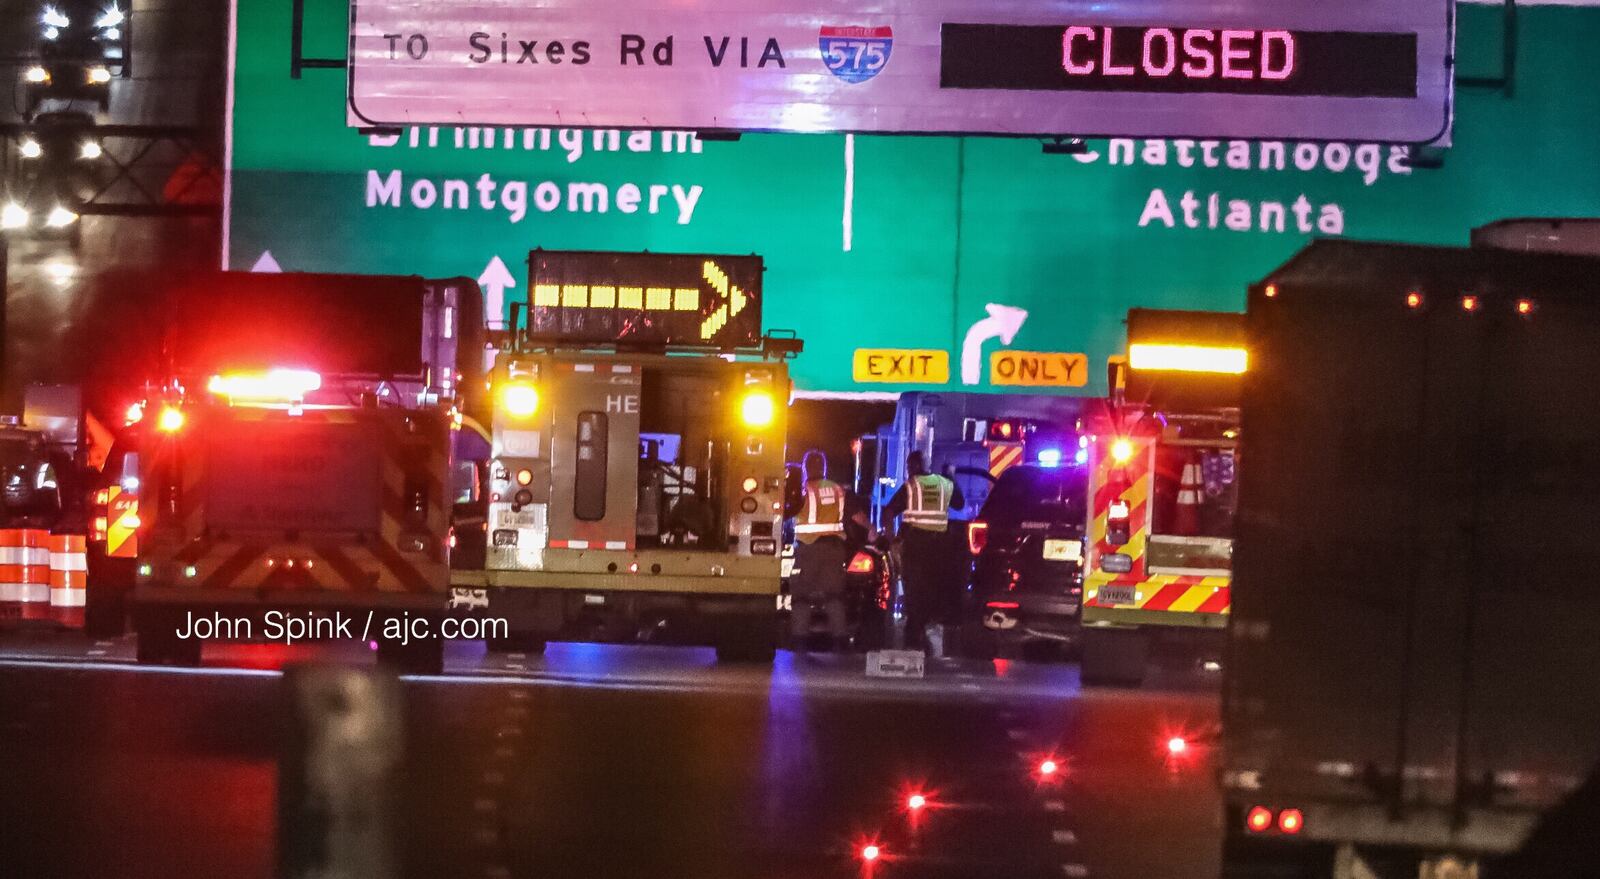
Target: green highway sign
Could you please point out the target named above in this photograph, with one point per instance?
(903, 262)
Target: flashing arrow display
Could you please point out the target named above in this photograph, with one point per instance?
(704, 300)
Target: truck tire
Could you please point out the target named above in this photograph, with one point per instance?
(516, 642)
(423, 656)
(159, 644)
(1113, 657)
(753, 644)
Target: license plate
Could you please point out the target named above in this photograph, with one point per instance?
(1063, 550)
(1116, 595)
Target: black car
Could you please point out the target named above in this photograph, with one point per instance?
(1027, 544)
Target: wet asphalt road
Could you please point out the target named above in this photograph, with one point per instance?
(616, 761)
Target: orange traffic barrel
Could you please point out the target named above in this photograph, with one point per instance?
(25, 573)
(69, 578)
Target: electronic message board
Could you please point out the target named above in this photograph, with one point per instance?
(674, 299)
(1379, 70)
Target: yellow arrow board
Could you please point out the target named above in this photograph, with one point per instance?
(903, 365)
(1038, 369)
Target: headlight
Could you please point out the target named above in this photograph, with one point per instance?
(519, 399)
(36, 74)
(98, 75)
(60, 217)
(757, 409)
(30, 148)
(13, 216)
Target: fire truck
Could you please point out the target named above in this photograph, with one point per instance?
(289, 465)
(635, 488)
(1162, 459)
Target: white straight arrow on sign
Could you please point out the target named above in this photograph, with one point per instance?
(494, 281)
(1003, 321)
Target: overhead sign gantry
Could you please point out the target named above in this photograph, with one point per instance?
(1378, 70)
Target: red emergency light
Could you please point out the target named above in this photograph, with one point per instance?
(273, 385)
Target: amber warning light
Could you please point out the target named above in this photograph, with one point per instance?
(1188, 358)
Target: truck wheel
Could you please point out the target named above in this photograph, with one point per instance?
(424, 656)
(516, 642)
(1113, 657)
(756, 644)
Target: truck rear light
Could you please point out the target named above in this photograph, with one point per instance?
(171, 420)
(97, 530)
(1003, 605)
(977, 536)
(860, 564)
(1291, 821)
(1258, 819)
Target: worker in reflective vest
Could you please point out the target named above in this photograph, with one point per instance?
(819, 553)
(928, 568)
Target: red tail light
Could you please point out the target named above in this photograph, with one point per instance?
(1291, 821)
(977, 536)
(860, 564)
(1258, 819)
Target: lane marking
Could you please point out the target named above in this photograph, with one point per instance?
(516, 666)
(494, 777)
(505, 752)
(1063, 837)
(1055, 806)
(486, 836)
(484, 804)
(1016, 735)
(1076, 871)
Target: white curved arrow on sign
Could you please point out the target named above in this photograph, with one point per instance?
(1003, 321)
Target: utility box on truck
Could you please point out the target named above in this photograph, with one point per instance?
(1410, 682)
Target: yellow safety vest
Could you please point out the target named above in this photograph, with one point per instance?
(928, 502)
(823, 512)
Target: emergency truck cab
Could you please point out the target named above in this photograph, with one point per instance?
(1162, 458)
(635, 488)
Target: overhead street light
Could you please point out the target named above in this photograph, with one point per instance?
(112, 17)
(13, 216)
(54, 17)
(60, 217)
